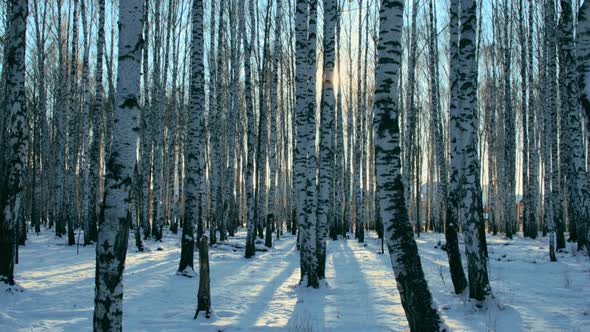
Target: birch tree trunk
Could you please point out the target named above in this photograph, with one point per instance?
(84, 135)
(532, 228)
(194, 136)
(262, 137)
(59, 148)
(69, 194)
(568, 92)
(411, 283)
(251, 231)
(550, 110)
(450, 200)
(304, 174)
(510, 137)
(17, 140)
(465, 168)
(146, 139)
(111, 248)
(358, 136)
(411, 125)
(273, 117)
(525, 130)
(340, 147)
(216, 129)
(40, 20)
(326, 153)
(581, 193)
(157, 130)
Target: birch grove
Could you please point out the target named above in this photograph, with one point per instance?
(237, 126)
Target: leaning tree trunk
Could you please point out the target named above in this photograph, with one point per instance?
(111, 248)
(12, 191)
(415, 295)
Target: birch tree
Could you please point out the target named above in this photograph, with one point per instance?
(17, 139)
(415, 295)
(304, 174)
(581, 192)
(465, 188)
(157, 128)
(41, 37)
(526, 131)
(326, 153)
(111, 248)
(273, 118)
(70, 136)
(250, 249)
(194, 136)
(550, 117)
(60, 118)
(533, 164)
(509, 128)
(450, 201)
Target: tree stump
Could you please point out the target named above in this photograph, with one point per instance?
(268, 238)
(204, 294)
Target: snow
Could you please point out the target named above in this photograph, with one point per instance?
(262, 293)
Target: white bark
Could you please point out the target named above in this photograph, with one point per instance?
(17, 134)
(415, 295)
(250, 250)
(111, 248)
(465, 188)
(304, 174)
(326, 153)
(194, 172)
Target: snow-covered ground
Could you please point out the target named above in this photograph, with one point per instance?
(261, 294)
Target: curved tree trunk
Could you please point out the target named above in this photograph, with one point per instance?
(415, 295)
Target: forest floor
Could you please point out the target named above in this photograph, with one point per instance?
(262, 293)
